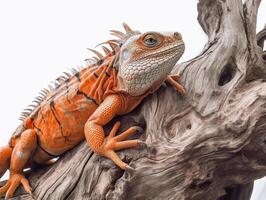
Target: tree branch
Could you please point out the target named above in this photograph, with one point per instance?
(251, 11)
(261, 37)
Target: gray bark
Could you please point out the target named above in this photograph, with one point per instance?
(209, 144)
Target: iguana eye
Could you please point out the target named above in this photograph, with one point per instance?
(150, 40)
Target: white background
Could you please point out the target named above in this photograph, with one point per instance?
(41, 39)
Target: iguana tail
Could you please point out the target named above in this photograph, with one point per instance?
(5, 156)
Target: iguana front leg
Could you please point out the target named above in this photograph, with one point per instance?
(95, 136)
(174, 80)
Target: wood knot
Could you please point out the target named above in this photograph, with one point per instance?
(237, 127)
(200, 184)
(227, 74)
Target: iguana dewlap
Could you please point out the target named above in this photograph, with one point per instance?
(81, 104)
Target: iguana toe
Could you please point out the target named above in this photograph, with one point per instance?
(13, 183)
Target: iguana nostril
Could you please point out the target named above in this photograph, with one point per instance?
(177, 36)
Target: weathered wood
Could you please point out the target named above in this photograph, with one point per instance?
(209, 144)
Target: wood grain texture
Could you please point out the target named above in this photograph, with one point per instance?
(209, 144)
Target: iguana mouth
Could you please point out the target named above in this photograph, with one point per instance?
(180, 46)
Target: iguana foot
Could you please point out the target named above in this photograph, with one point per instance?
(13, 183)
(113, 143)
(174, 81)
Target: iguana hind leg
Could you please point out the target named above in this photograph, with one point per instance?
(19, 158)
(5, 155)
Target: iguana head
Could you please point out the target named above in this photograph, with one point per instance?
(146, 59)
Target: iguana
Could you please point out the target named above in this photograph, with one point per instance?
(82, 103)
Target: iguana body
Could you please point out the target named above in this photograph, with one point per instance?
(80, 105)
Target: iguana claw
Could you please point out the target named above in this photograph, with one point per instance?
(130, 169)
(142, 145)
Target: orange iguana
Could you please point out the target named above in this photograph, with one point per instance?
(79, 105)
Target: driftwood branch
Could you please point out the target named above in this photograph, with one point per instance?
(261, 38)
(250, 15)
(209, 144)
